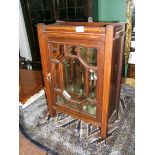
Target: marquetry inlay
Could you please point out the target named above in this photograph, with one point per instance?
(89, 29)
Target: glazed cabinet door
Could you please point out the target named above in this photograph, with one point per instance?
(75, 77)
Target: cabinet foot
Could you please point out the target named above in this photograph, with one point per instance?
(52, 113)
(103, 135)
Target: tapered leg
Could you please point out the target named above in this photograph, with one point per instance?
(52, 112)
(103, 131)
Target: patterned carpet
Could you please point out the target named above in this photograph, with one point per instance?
(65, 135)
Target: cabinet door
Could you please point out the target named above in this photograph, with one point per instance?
(75, 77)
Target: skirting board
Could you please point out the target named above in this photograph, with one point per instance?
(32, 99)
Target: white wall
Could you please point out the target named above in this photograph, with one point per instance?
(23, 40)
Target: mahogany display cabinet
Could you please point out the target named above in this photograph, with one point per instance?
(82, 65)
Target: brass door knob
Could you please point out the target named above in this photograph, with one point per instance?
(48, 77)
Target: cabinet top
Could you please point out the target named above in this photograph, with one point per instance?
(87, 27)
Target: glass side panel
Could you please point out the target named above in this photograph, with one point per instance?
(74, 75)
(92, 84)
(89, 108)
(71, 50)
(60, 100)
(58, 51)
(56, 75)
(89, 55)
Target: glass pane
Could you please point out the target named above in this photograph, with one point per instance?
(71, 3)
(71, 13)
(61, 100)
(80, 3)
(56, 75)
(63, 13)
(75, 106)
(71, 50)
(89, 108)
(92, 84)
(58, 51)
(89, 56)
(62, 3)
(74, 75)
(80, 15)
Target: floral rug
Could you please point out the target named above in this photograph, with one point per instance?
(65, 135)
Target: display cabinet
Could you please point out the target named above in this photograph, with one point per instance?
(82, 65)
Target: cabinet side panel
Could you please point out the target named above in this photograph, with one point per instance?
(117, 60)
(120, 64)
(114, 75)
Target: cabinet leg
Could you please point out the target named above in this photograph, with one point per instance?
(103, 132)
(52, 112)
